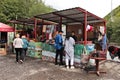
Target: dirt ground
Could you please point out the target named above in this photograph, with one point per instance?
(36, 69)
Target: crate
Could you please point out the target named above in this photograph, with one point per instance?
(3, 51)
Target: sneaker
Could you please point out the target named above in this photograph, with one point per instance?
(67, 67)
(72, 67)
(21, 61)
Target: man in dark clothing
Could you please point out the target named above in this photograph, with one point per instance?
(73, 36)
(59, 47)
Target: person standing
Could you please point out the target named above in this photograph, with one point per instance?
(74, 36)
(18, 43)
(104, 42)
(25, 46)
(59, 48)
(69, 51)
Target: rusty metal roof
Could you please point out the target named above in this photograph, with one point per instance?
(70, 16)
(30, 21)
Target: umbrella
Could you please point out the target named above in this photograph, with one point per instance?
(5, 28)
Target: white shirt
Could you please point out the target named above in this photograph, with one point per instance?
(18, 43)
(69, 44)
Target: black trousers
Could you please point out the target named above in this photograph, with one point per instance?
(19, 54)
(59, 53)
(25, 51)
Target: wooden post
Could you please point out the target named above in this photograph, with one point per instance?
(35, 25)
(60, 24)
(42, 29)
(105, 28)
(85, 25)
(14, 30)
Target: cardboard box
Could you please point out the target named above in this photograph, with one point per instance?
(2, 51)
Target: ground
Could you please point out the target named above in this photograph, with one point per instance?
(37, 69)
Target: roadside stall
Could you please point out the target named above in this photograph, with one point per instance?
(77, 19)
(82, 22)
(4, 29)
(39, 34)
(85, 25)
(74, 19)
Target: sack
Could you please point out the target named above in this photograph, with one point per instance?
(84, 58)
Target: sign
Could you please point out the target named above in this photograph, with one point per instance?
(34, 50)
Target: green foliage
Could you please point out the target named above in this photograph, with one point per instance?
(13, 9)
(115, 14)
(113, 27)
(38, 7)
(116, 30)
(3, 18)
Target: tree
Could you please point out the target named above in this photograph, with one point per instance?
(116, 30)
(12, 9)
(39, 7)
(113, 27)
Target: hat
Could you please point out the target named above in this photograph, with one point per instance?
(61, 31)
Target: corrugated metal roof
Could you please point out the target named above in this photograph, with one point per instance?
(31, 21)
(70, 16)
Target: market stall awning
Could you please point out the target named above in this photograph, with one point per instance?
(5, 28)
(30, 22)
(70, 16)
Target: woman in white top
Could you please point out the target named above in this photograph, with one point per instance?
(69, 50)
(18, 43)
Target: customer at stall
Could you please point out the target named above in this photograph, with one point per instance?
(43, 37)
(69, 51)
(74, 36)
(18, 45)
(59, 48)
(25, 46)
(104, 42)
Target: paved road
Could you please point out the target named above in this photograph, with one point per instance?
(36, 69)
